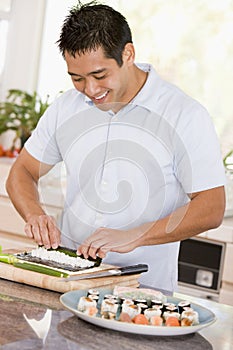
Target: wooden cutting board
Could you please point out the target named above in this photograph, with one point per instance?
(12, 273)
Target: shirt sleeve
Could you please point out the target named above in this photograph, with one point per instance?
(42, 143)
(198, 159)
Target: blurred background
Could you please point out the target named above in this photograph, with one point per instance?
(189, 42)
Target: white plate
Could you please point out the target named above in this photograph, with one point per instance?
(70, 301)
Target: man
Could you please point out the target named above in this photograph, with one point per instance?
(143, 164)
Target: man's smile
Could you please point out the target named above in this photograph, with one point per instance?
(100, 98)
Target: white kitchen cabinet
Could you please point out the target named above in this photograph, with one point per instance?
(226, 293)
(228, 264)
(224, 233)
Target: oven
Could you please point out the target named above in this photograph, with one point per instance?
(200, 267)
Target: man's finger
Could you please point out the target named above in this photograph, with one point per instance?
(54, 233)
(36, 233)
(28, 230)
(44, 232)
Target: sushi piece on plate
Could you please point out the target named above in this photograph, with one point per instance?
(131, 310)
(172, 321)
(94, 297)
(152, 312)
(155, 302)
(93, 292)
(168, 314)
(126, 303)
(191, 315)
(85, 303)
(182, 305)
(140, 319)
(124, 317)
(156, 321)
(91, 311)
(169, 307)
(110, 296)
(109, 305)
(143, 307)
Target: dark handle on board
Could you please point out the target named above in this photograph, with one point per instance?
(130, 270)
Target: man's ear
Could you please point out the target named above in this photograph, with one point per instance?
(128, 54)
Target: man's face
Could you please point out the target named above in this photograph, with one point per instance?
(100, 78)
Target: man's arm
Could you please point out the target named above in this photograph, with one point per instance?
(205, 211)
(22, 188)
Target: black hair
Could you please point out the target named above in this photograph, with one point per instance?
(90, 26)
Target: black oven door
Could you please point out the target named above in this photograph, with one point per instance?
(200, 263)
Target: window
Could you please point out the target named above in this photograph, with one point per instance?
(21, 24)
(5, 7)
(190, 43)
(3, 36)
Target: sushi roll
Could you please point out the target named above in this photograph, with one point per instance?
(185, 322)
(156, 321)
(85, 303)
(156, 302)
(93, 292)
(172, 321)
(132, 310)
(140, 319)
(108, 315)
(126, 302)
(167, 314)
(143, 307)
(110, 296)
(124, 317)
(157, 307)
(182, 305)
(152, 312)
(169, 306)
(91, 311)
(94, 297)
(109, 305)
(190, 315)
(172, 308)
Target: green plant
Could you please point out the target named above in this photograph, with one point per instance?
(21, 112)
(227, 160)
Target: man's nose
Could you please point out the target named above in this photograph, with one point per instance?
(91, 87)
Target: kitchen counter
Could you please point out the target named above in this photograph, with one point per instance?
(19, 304)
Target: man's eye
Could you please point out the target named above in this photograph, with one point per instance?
(77, 80)
(99, 78)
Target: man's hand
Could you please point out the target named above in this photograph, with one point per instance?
(105, 240)
(43, 229)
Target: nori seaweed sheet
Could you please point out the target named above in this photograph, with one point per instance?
(71, 252)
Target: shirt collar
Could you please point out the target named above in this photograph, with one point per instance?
(149, 93)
